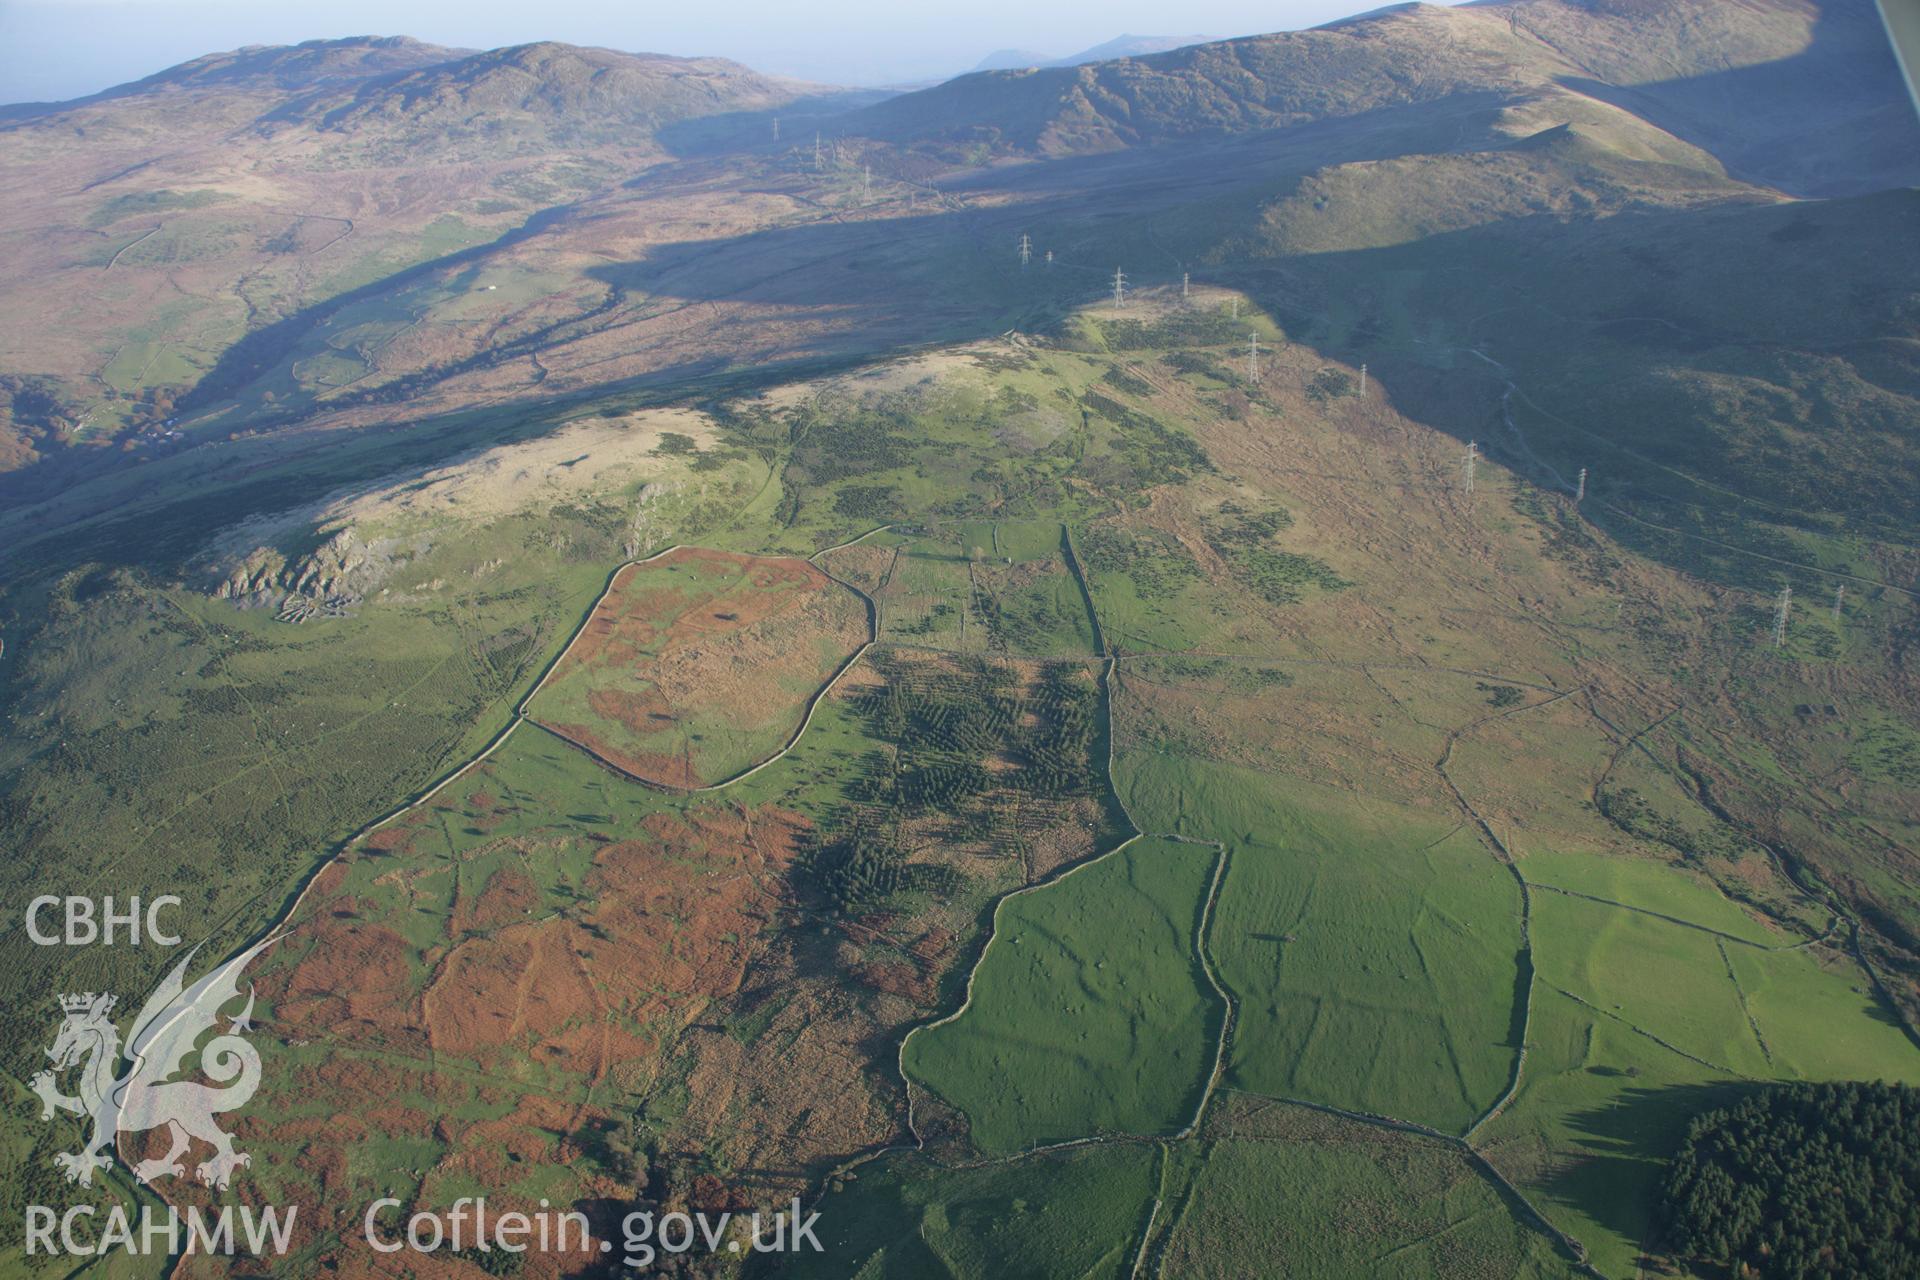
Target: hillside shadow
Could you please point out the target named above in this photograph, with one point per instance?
(258, 352)
(184, 499)
(1624, 338)
(1544, 294)
(919, 249)
(1834, 119)
(1581, 315)
(870, 284)
(1628, 1144)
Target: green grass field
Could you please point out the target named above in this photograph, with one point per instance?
(1269, 1190)
(1664, 978)
(1598, 1112)
(1767, 1011)
(1651, 886)
(1322, 1197)
(1674, 1021)
(1372, 952)
(1820, 1017)
(1090, 1013)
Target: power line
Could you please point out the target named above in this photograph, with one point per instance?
(1026, 249)
(1119, 287)
(1253, 357)
(1468, 463)
(1780, 614)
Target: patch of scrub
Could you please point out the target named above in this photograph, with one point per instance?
(987, 586)
(697, 665)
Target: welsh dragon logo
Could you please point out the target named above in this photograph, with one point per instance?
(163, 1037)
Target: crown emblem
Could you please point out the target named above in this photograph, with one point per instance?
(87, 1002)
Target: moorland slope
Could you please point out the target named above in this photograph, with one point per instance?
(1457, 608)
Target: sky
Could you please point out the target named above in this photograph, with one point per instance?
(57, 49)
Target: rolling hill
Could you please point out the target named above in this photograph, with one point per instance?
(213, 199)
(266, 69)
(1118, 47)
(1753, 82)
(537, 96)
(1295, 648)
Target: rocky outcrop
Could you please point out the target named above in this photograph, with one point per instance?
(328, 581)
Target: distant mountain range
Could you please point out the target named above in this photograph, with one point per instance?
(544, 92)
(1788, 94)
(1118, 47)
(274, 220)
